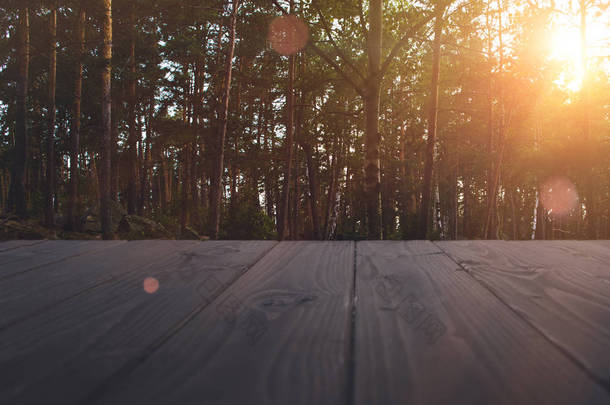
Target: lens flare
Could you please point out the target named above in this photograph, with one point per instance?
(558, 196)
(288, 34)
(151, 285)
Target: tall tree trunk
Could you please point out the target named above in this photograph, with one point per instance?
(372, 138)
(432, 118)
(144, 157)
(185, 186)
(282, 223)
(454, 193)
(270, 149)
(76, 117)
(294, 219)
(132, 154)
(589, 192)
(114, 151)
(105, 144)
(17, 199)
(313, 189)
(466, 209)
(50, 175)
(215, 187)
(234, 168)
(490, 115)
(490, 230)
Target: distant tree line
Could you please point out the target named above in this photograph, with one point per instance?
(440, 119)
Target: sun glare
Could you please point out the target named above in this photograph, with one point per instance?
(565, 49)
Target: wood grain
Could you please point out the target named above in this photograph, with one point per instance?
(62, 355)
(558, 287)
(278, 335)
(40, 254)
(428, 333)
(30, 292)
(16, 244)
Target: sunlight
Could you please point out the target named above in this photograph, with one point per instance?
(565, 48)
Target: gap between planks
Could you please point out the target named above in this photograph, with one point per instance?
(572, 358)
(132, 364)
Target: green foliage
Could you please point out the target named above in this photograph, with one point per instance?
(245, 220)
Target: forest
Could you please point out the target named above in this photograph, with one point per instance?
(305, 119)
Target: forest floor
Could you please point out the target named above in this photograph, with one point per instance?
(124, 226)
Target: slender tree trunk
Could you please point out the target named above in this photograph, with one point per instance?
(313, 189)
(586, 127)
(164, 186)
(432, 119)
(17, 199)
(50, 175)
(215, 189)
(105, 145)
(144, 166)
(185, 186)
(294, 220)
(490, 230)
(514, 217)
(114, 151)
(490, 124)
(372, 138)
(282, 223)
(76, 117)
(132, 154)
(466, 214)
(234, 168)
(270, 149)
(454, 194)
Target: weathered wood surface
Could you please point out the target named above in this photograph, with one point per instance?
(115, 325)
(30, 292)
(279, 335)
(305, 322)
(428, 333)
(15, 244)
(561, 288)
(37, 255)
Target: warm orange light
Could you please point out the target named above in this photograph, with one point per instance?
(151, 285)
(558, 196)
(566, 49)
(288, 34)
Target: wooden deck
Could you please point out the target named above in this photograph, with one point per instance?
(261, 322)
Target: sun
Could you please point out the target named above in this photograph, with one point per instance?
(566, 50)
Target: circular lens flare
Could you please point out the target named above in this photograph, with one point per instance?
(558, 196)
(288, 34)
(151, 285)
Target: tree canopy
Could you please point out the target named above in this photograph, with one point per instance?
(308, 119)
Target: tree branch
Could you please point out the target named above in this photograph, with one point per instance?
(327, 58)
(337, 68)
(334, 44)
(402, 42)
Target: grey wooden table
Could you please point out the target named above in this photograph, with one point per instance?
(261, 322)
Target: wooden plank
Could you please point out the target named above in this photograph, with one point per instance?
(566, 296)
(591, 257)
(278, 335)
(63, 354)
(53, 251)
(428, 333)
(26, 294)
(16, 244)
